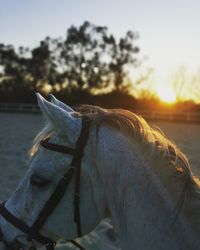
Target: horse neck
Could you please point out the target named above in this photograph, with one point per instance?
(141, 208)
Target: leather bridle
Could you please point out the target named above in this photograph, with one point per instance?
(33, 231)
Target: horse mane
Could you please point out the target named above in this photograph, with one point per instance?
(136, 127)
(167, 160)
(165, 157)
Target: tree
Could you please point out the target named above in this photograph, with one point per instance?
(24, 72)
(89, 59)
(195, 86)
(180, 79)
(14, 77)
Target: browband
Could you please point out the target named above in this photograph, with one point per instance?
(56, 147)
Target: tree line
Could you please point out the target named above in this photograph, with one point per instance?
(88, 61)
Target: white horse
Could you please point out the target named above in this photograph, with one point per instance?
(130, 172)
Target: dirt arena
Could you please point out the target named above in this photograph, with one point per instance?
(17, 132)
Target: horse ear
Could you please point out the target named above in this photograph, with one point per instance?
(60, 119)
(60, 104)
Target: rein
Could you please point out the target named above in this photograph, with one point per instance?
(58, 193)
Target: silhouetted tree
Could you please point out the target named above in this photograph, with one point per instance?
(14, 79)
(180, 79)
(89, 59)
(24, 72)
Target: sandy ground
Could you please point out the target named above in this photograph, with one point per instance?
(17, 132)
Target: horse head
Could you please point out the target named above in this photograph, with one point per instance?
(47, 168)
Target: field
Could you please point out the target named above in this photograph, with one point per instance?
(18, 130)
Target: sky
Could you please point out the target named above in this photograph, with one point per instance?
(169, 29)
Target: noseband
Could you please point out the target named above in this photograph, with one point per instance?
(33, 232)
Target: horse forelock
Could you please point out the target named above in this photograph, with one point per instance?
(43, 134)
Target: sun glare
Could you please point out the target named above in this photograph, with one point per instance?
(166, 95)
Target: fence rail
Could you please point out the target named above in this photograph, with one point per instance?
(188, 117)
(19, 107)
(184, 117)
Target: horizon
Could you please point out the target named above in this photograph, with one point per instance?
(169, 34)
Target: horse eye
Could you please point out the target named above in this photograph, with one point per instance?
(38, 181)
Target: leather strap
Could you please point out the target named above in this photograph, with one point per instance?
(22, 225)
(57, 148)
(76, 163)
(51, 203)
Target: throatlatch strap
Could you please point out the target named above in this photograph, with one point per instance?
(76, 163)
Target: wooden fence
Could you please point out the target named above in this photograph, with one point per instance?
(186, 117)
(183, 117)
(19, 107)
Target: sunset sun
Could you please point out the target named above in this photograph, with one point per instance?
(166, 95)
